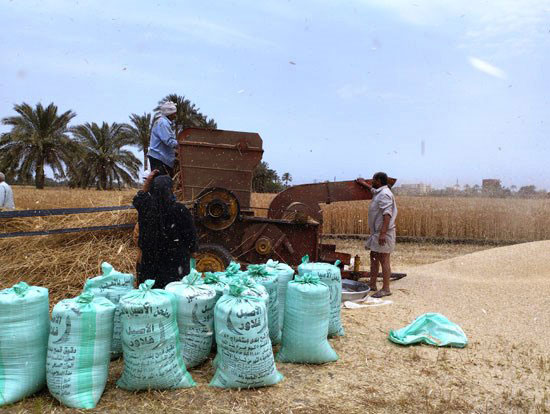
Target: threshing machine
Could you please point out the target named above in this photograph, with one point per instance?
(216, 170)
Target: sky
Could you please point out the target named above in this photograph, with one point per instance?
(429, 91)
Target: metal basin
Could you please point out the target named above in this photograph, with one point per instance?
(352, 290)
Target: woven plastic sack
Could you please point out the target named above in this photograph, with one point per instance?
(251, 288)
(244, 349)
(79, 349)
(217, 280)
(232, 270)
(284, 273)
(150, 341)
(24, 325)
(260, 275)
(196, 303)
(112, 285)
(330, 276)
(432, 329)
(307, 316)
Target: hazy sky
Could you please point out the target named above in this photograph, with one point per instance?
(430, 91)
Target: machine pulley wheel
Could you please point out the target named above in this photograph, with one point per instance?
(212, 258)
(263, 246)
(216, 208)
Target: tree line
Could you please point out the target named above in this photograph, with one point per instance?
(96, 155)
(85, 155)
(526, 191)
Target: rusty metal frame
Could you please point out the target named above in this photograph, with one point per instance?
(227, 159)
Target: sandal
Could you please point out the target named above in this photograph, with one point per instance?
(381, 293)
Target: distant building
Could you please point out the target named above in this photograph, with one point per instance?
(491, 186)
(414, 189)
(456, 187)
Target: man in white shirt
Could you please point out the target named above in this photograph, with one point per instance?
(6, 195)
(381, 242)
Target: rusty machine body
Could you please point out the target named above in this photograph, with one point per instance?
(216, 170)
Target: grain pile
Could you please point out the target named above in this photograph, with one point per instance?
(501, 298)
(498, 296)
(503, 291)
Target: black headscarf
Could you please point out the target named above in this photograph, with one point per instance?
(163, 201)
(158, 218)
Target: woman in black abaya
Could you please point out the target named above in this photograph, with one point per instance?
(167, 235)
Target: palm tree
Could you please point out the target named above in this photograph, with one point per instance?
(104, 159)
(188, 114)
(38, 138)
(140, 131)
(286, 178)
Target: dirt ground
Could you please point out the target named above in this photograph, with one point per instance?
(407, 255)
(500, 297)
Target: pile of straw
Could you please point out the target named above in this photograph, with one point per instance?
(62, 263)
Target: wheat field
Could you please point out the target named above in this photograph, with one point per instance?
(487, 219)
(454, 218)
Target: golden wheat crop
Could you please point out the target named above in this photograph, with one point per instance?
(451, 217)
(29, 198)
(492, 219)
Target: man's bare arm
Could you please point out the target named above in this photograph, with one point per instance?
(384, 230)
(364, 183)
(149, 180)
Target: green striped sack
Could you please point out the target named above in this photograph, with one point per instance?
(330, 276)
(260, 275)
(306, 323)
(252, 289)
(284, 273)
(112, 285)
(79, 348)
(242, 334)
(195, 316)
(150, 341)
(24, 324)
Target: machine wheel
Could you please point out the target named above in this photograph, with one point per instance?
(217, 208)
(212, 258)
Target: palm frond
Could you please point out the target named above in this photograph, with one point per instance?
(37, 138)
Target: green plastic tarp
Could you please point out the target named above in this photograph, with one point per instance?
(432, 329)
